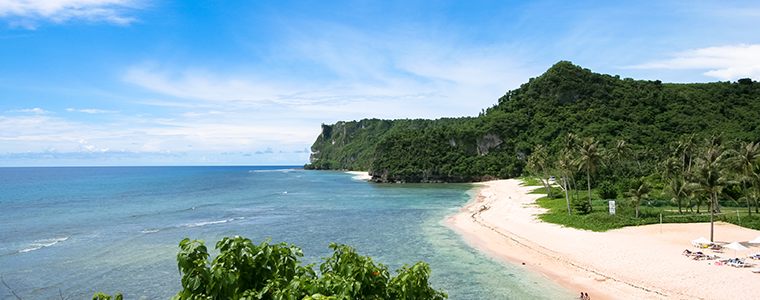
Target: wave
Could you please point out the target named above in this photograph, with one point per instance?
(199, 224)
(39, 244)
(276, 170)
(212, 222)
(172, 211)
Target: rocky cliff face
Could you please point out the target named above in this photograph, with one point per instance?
(490, 140)
(347, 145)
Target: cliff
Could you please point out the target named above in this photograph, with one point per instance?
(566, 99)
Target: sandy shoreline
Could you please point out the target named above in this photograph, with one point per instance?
(629, 263)
(360, 175)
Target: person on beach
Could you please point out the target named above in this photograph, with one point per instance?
(582, 297)
(587, 297)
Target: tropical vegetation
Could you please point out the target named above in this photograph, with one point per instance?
(246, 271)
(686, 149)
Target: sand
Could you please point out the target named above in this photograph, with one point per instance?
(628, 263)
(360, 175)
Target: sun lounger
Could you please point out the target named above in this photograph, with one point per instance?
(740, 264)
(755, 270)
(743, 265)
(704, 257)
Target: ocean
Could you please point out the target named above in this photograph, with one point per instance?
(70, 232)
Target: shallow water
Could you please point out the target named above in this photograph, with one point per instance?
(78, 231)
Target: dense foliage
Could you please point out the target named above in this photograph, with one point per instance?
(648, 115)
(243, 270)
(351, 145)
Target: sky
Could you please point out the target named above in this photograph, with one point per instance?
(168, 82)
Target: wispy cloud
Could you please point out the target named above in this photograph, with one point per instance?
(725, 62)
(92, 111)
(346, 73)
(196, 84)
(55, 154)
(35, 110)
(37, 127)
(28, 13)
(198, 114)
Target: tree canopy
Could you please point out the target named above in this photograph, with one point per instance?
(246, 271)
(566, 99)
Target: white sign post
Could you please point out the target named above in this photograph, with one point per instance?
(612, 207)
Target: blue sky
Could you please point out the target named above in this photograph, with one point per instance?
(163, 82)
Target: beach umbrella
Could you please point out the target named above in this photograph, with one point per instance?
(755, 241)
(736, 246)
(699, 241)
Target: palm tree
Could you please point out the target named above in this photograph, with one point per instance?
(564, 166)
(710, 176)
(619, 154)
(537, 163)
(696, 194)
(590, 157)
(571, 145)
(755, 178)
(686, 147)
(743, 162)
(639, 190)
(670, 169)
(621, 151)
(678, 190)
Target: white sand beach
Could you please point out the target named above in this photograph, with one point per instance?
(360, 175)
(629, 263)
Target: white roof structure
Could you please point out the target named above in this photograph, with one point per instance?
(736, 246)
(701, 240)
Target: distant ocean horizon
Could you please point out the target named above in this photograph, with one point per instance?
(76, 231)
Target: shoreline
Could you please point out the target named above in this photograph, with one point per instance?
(628, 263)
(360, 175)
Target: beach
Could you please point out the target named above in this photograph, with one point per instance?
(643, 262)
(360, 175)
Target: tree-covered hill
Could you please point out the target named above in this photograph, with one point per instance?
(566, 99)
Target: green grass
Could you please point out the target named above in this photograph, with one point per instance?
(649, 212)
(530, 181)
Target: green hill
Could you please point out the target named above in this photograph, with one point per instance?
(566, 99)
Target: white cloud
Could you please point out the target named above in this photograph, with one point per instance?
(724, 62)
(366, 74)
(33, 127)
(35, 110)
(93, 111)
(195, 84)
(198, 114)
(27, 13)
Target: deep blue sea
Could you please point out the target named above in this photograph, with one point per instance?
(72, 232)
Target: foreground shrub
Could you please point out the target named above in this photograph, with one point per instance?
(243, 270)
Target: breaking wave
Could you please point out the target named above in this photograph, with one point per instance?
(39, 244)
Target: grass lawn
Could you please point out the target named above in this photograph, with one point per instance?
(649, 212)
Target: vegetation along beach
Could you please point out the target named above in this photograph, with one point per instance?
(411, 150)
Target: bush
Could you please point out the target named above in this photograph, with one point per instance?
(607, 190)
(580, 207)
(243, 270)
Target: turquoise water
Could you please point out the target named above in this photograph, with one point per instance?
(77, 231)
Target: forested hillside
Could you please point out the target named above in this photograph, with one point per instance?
(648, 115)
